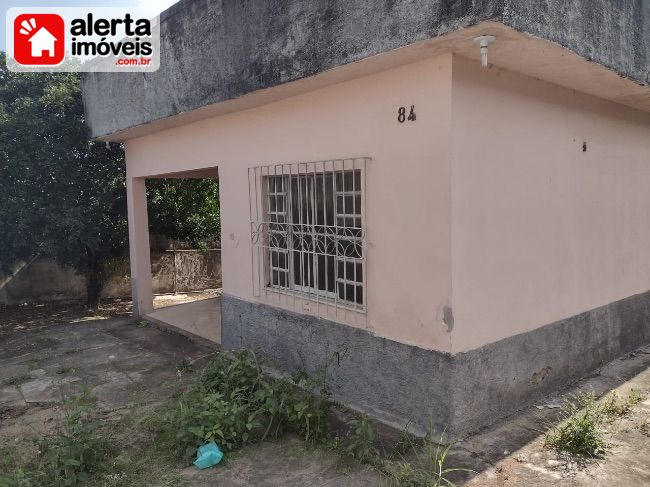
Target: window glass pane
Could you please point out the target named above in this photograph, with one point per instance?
(283, 282)
(340, 204)
(349, 205)
(305, 231)
(359, 294)
(339, 181)
(326, 276)
(348, 181)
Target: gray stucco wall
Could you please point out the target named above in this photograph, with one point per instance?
(403, 384)
(216, 50)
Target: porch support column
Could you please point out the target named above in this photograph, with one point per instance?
(141, 290)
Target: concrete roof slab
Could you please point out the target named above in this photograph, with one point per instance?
(216, 52)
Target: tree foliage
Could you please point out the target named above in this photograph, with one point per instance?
(64, 196)
(185, 209)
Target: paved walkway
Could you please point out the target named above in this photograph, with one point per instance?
(123, 363)
(198, 318)
(512, 453)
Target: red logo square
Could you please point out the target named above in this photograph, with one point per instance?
(39, 39)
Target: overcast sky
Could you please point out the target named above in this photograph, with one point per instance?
(151, 7)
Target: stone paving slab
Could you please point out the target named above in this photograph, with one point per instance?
(10, 397)
(46, 389)
(11, 371)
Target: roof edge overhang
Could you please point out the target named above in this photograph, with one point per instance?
(512, 50)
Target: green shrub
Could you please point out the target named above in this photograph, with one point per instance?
(360, 440)
(580, 430)
(234, 403)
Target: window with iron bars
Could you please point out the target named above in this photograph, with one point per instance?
(312, 232)
(315, 234)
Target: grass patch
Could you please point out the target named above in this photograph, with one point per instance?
(76, 450)
(580, 431)
(88, 450)
(615, 406)
(68, 456)
(427, 464)
(411, 462)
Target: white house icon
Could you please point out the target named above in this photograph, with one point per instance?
(42, 41)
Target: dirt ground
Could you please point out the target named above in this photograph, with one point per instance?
(51, 351)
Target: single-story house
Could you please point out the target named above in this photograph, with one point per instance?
(443, 205)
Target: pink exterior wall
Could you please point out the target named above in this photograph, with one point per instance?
(487, 203)
(541, 230)
(408, 191)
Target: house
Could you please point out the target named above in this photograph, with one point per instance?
(449, 241)
(42, 41)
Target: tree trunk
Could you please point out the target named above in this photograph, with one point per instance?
(94, 279)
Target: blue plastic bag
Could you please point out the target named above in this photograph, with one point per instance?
(208, 455)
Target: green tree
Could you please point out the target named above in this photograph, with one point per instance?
(184, 209)
(64, 196)
(60, 194)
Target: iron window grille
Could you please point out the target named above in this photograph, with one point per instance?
(308, 231)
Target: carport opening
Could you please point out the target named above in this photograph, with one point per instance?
(186, 254)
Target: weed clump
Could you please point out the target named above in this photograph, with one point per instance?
(580, 431)
(615, 406)
(427, 465)
(360, 441)
(235, 403)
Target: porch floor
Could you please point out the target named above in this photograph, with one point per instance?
(195, 319)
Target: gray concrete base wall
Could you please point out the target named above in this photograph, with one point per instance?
(400, 383)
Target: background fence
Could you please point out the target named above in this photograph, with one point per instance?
(171, 270)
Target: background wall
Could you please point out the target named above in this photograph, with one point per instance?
(542, 230)
(407, 183)
(42, 281)
(181, 271)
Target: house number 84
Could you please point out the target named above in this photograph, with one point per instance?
(401, 114)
